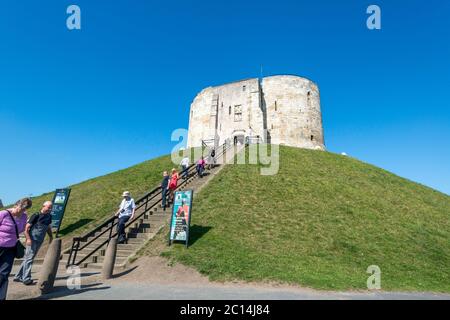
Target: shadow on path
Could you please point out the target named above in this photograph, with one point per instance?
(82, 275)
(123, 273)
(63, 291)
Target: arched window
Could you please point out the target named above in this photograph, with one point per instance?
(276, 107)
(229, 110)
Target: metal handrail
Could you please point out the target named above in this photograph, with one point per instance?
(147, 198)
(192, 166)
(90, 233)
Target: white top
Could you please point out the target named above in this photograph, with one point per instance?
(126, 207)
(185, 161)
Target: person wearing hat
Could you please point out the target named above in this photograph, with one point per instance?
(125, 213)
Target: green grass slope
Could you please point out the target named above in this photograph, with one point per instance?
(320, 222)
(94, 200)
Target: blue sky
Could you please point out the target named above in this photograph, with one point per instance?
(78, 104)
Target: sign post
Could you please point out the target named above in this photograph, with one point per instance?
(181, 217)
(60, 200)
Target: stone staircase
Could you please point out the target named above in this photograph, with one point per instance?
(146, 227)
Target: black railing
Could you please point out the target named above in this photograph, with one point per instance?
(207, 143)
(110, 223)
(253, 140)
(145, 202)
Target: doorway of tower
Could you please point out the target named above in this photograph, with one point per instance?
(239, 139)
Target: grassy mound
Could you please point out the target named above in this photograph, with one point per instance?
(94, 200)
(320, 222)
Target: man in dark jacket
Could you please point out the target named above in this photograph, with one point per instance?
(164, 187)
(38, 225)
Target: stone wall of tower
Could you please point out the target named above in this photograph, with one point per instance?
(293, 111)
(287, 106)
(243, 96)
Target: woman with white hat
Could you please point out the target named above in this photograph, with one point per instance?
(125, 213)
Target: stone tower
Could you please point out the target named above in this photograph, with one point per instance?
(285, 107)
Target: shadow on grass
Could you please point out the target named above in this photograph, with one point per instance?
(74, 226)
(196, 232)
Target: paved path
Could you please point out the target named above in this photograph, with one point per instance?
(133, 291)
(153, 279)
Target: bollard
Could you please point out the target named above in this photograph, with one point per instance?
(49, 268)
(110, 259)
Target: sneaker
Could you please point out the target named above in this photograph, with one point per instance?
(17, 280)
(28, 282)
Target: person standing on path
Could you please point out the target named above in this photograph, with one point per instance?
(164, 188)
(185, 164)
(125, 213)
(12, 223)
(38, 225)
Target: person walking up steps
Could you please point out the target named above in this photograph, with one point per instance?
(200, 167)
(125, 213)
(173, 184)
(164, 188)
(12, 223)
(38, 225)
(185, 164)
(212, 159)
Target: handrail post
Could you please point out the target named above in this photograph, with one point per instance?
(110, 229)
(76, 251)
(70, 254)
(146, 204)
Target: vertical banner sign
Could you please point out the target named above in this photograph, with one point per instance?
(181, 217)
(59, 207)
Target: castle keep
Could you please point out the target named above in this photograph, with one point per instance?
(282, 110)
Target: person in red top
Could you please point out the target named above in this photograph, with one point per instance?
(173, 183)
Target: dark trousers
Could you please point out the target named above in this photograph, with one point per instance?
(163, 197)
(200, 170)
(7, 256)
(121, 228)
(185, 172)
